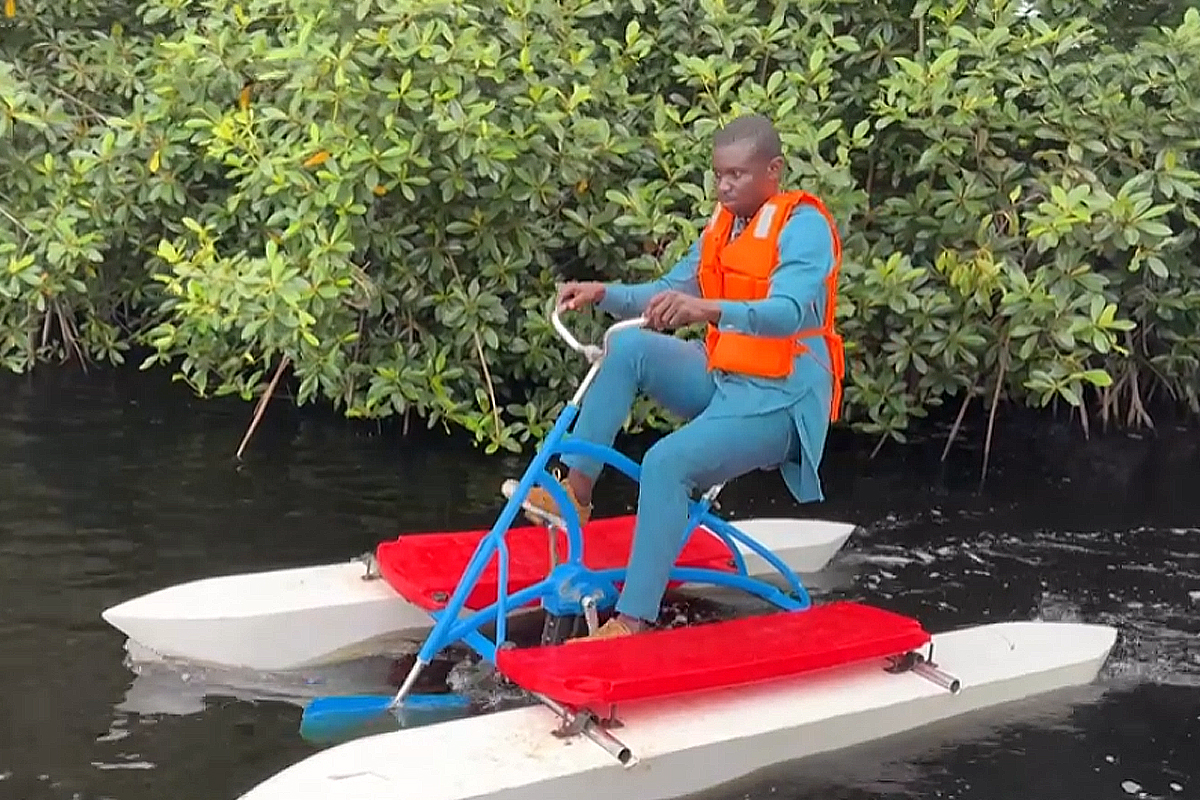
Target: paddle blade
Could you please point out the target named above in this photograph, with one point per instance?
(333, 719)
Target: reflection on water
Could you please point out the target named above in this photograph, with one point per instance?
(164, 687)
(112, 487)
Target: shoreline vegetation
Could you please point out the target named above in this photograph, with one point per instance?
(367, 206)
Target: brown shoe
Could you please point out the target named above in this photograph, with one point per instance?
(609, 630)
(541, 499)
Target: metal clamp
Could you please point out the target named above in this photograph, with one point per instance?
(585, 723)
(925, 667)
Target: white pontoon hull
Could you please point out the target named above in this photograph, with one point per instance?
(691, 743)
(309, 616)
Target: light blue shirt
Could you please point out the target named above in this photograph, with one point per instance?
(796, 302)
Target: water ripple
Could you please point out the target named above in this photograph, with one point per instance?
(112, 488)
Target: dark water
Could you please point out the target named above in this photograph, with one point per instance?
(114, 486)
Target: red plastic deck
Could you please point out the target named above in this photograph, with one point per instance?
(425, 568)
(711, 656)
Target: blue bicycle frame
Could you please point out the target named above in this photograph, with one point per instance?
(570, 587)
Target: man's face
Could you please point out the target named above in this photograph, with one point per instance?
(744, 179)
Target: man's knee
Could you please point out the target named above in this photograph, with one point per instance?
(701, 456)
(630, 344)
(632, 350)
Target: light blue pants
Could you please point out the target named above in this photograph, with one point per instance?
(706, 451)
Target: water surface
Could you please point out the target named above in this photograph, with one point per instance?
(112, 486)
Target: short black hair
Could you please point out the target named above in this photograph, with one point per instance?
(754, 128)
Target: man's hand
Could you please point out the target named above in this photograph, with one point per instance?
(576, 295)
(675, 309)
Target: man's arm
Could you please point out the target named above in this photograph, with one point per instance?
(805, 258)
(629, 300)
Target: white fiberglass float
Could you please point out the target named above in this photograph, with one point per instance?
(304, 617)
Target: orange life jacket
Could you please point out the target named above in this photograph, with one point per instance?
(741, 270)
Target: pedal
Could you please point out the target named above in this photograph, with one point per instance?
(553, 521)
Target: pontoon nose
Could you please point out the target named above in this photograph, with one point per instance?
(122, 612)
(271, 621)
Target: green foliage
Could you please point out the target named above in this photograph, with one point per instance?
(378, 198)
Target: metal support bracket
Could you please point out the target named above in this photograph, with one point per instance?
(370, 566)
(611, 722)
(925, 667)
(571, 726)
(585, 723)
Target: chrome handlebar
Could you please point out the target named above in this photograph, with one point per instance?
(591, 351)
